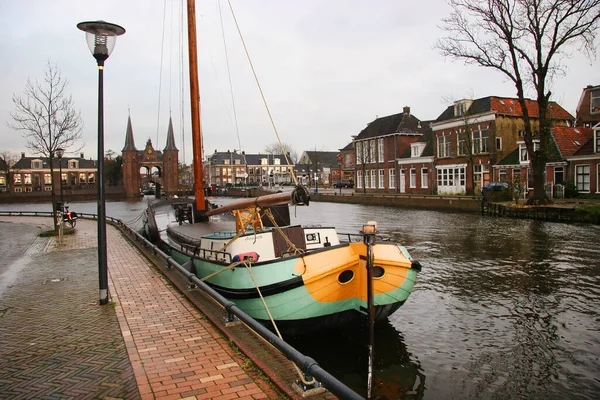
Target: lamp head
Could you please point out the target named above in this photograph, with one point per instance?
(101, 37)
(60, 152)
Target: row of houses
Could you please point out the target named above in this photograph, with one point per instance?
(474, 142)
(471, 143)
(32, 174)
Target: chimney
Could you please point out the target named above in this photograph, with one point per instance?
(81, 156)
(406, 110)
(22, 155)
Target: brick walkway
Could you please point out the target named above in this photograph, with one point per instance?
(56, 342)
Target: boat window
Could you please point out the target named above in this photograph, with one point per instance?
(346, 276)
(378, 272)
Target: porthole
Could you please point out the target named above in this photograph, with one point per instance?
(378, 272)
(346, 276)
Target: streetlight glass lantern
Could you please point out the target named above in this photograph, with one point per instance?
(101, 37)
(60, 152)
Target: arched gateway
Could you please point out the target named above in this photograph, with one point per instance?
(164, 163)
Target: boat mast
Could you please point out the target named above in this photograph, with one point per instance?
(195, 105)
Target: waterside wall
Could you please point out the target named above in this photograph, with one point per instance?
(454, 203)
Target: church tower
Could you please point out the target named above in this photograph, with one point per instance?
(131, 165)
(170, 163)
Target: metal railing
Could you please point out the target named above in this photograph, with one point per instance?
(309, 367)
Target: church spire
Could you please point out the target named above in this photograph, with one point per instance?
(170, 137)
(129, 144)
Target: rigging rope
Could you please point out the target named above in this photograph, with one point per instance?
(262, 94)
(181, 82)
(162, 44)
(235, 120)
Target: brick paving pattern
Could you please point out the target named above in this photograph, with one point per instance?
(56, 342)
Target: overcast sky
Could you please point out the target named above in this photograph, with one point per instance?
(327, 68)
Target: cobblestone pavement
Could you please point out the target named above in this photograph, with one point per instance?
(56, 342)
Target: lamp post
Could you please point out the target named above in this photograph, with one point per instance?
(101, 37)
(59, 153)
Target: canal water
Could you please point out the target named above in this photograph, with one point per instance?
(502, 309)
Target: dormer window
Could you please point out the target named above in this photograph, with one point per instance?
(73, 164)
(416, 149)
(277, 161)
(36, 164)
(595, 101)
(461, 107)
(264, 161)
(524, 154)
(597, 141)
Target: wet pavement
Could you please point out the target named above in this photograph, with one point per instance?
(148, 342)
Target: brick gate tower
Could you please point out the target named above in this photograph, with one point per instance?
(136, 163)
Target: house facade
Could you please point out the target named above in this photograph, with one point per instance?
(379, 145)
(566, 142)
(588, 107)
(32, 174)
(471, 136)
(584, 164)
(318, 168)
(238, 168)
(4, 178)
(416, 168)
(347, 160)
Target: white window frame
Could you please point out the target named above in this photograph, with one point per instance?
(524, 154)
(480, 142)
(424, 177)
(582, 178)
(498, 143)
(373, 178)
(359, 179)
(413, 178)
(460, 143)
(381, 179)
(597, 178)
(595, 101)
(443, 146)
(380, 149)
(372, 151)
(392, 178)
(360, 156)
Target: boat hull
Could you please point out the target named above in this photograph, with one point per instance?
(319, 290)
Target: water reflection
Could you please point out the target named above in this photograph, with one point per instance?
(397, 374)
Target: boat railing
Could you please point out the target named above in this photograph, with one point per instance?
(307, 365)
(199, 252)
(357, 237)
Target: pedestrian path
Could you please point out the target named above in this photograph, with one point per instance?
(149, 342)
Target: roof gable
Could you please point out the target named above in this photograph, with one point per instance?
(570, 140)
(507, 106)
(403, 122)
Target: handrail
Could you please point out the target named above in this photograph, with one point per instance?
(307, 365)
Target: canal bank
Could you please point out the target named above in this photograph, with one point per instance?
(149, 342)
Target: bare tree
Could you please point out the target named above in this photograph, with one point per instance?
(527, 41)
(46, 116)
(285, 148)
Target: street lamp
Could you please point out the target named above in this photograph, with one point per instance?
(101, 37)
(59, 153)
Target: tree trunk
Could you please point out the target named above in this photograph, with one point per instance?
(52, 192)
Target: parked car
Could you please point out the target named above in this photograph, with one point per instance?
(343, 184)
(496, 186)
(496, 191)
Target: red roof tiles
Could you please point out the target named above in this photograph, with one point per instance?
(510, 106)
(569, 140)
